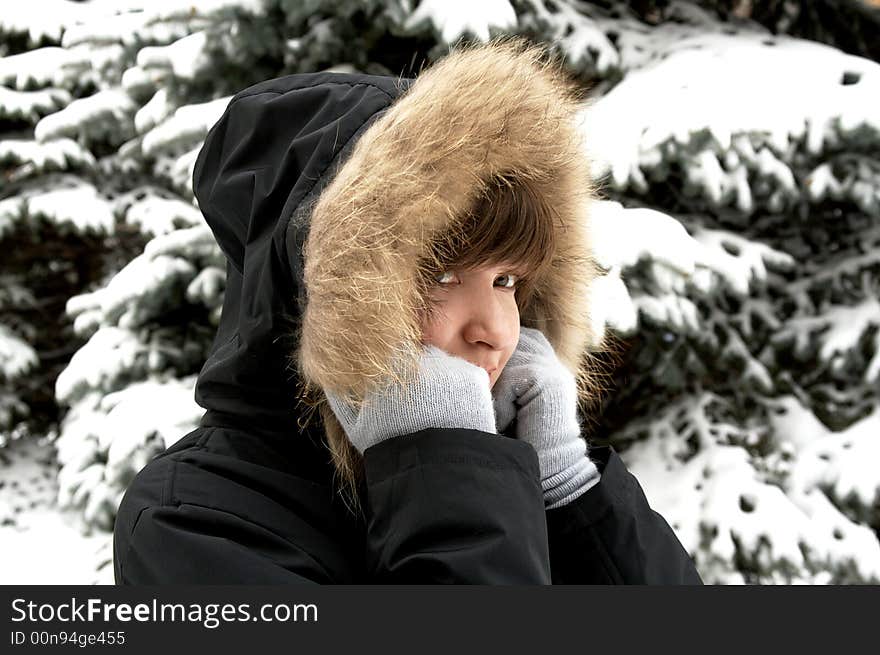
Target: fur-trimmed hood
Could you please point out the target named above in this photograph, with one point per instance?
(324, 191)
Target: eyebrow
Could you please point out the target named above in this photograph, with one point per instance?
(518, 268)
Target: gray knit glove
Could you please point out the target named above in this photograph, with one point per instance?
(450, 392)
(541, 393)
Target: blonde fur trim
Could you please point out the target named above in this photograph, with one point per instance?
(496, 109)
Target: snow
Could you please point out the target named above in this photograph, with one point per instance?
(17, 357)
(130, 422)
(165, 9)
(622, 237)
(187, 125)
(128, 28)
(154, 112)
(186, 58)
(846, 326)
(81, 207)
(40, 156)
(858, 181)
(648, 233)
(102, 20)
(719, 503)
(178, 170)
(748, 267)
(11, 210)
(49, 66)
(703, 106)
(612, 307)
(147, 286)
(138, 82)
(42, 543)
(101, 363)
(154, 215)
(676, 312)
(105, 441)
(44, 20)
(840, 464)
(840, 329)
(107, 111)
(207, 289)
(32, 554)
(456, 18)
(30, 105)
(580, 34)
(104, 60)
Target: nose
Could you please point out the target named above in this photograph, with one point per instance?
(487, 322)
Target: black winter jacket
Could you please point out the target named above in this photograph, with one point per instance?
(248, 496)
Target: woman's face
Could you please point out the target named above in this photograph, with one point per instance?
(476, 316)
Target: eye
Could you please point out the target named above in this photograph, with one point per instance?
(509, 277)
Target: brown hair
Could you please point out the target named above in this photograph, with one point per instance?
(501, 227)
(509, 222)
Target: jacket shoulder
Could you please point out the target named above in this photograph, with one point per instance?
(199, 515)
(148, 488)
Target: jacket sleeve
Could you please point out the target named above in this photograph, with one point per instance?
(610, 534)
(455, 506)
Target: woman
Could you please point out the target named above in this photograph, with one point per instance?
(366, 221)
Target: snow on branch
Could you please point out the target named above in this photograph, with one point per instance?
(677, 263)
(178, 170)
(738, 114)
(188, 125)
(452, 19)
(17, 357)
(44, 20)
(105, 441)
(31, 105)
(154, 112)
(760, 514)
(142, 290)
(834, 334)
(35, 157)
(49, 66)
(580, 33)
(79, 208)
(154, 215)
(186, 58)
(130, 29)
(104, 363)
(107, 116)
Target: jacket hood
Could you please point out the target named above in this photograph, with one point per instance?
(325, 191)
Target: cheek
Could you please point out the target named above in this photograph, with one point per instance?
(513, 325)
(428, 334)
(433, 328)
